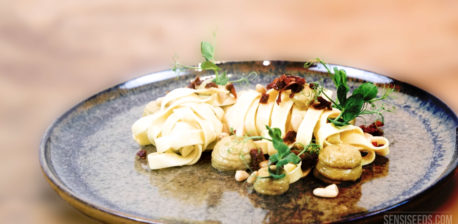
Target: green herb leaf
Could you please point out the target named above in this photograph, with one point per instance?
(340, 80)
(281, 163)
(277, 141)
(342, 96)
(352, 108)
(292, 158)
(367, 90)
(273, 158)
(276, 176)
(221, 79)
(340, 77)
(208, 65)
(283, 155)
(207, 50)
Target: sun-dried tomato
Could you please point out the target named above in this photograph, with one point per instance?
(256, 157)
(375, 143)
(141, 154)
(195, 83)
(278, 98)
(290, 137)
(231, 89)
(264, 98)
(309, 159)
(374, 128)
(285, 82)
(211, 85)
(322, 104)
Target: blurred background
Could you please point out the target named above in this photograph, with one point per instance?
(54, 54)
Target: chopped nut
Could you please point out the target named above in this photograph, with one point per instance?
(260, 88)
(252, 178)
(241, 175)
(263, 164)
(330, 191)
(263, 172)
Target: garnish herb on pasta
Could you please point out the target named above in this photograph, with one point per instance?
(360, 102)
(284, 153)
(208, 53)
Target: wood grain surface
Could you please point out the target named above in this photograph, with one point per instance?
(54, 54)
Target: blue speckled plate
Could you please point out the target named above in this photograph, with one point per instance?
(88, 157)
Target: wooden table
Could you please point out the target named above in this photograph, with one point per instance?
(54, 54)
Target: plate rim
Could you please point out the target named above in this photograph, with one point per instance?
(104, 213)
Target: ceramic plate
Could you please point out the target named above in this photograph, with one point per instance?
(88, 156)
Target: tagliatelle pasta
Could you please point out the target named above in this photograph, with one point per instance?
(250, 119)
(263, 116)
(294, 172)
(280, 113)
(235, 115)
(297, 115)
(307, 126)
(182, 127)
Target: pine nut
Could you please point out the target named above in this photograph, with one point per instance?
(260, 88)
(252, 178)
(241, 175)
(330, 191)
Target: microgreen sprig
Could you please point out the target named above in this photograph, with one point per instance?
(360, 102)
(208, 53)
(284, 154)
